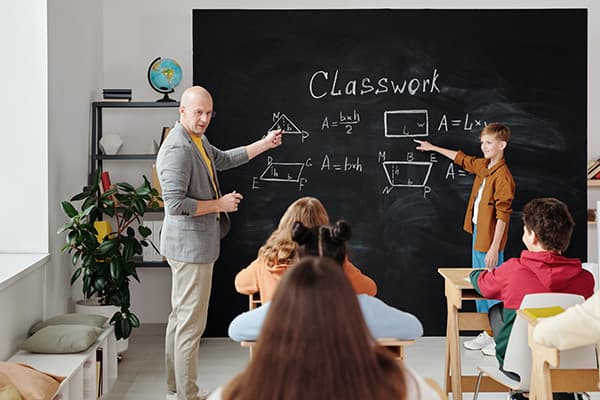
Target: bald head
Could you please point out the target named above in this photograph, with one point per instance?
(192, 94)
(195, 110)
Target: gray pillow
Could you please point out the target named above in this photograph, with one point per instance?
(58, 339)
(70, 319)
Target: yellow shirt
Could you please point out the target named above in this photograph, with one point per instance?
(198, 141)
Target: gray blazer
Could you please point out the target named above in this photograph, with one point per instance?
(185, 179)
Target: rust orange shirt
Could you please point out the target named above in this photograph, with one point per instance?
(258, 277)
(496, 198)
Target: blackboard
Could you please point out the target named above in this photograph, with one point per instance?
(352, 88)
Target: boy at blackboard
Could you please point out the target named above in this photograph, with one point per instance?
(489, 207)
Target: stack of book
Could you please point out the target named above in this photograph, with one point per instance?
(116, 94)
(593, 169)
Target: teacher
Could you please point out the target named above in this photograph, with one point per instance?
(195, 221)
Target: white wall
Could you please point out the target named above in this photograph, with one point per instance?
(23, 165)
(52, 69)
(137, 31)
(23, 117)
(74, 78)
(593, 118)
(21, 305)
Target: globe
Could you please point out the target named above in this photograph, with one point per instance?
(164, 74)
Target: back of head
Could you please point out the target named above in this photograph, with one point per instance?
(279, 247)
(308, 210)
(315, 332)
(500, 131)
(551, 221)
(323, 241)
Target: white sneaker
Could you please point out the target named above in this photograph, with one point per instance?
(481, 341)
(490, 349)
(171, 396)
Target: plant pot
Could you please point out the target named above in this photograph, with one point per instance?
(91, 306)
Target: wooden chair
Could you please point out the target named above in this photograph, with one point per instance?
(395, 346)
(546, 377)
(254, 300)
(518, 357)
(437, 388)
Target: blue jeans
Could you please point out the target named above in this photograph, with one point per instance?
(478, 261)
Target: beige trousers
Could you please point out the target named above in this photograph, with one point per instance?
(190, 293)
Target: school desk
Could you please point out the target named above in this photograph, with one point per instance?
(546, 378)
(458, 287)
(394, 346)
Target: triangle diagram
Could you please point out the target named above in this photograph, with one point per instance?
(283, 122)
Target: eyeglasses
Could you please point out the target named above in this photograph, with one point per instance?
(210, 114)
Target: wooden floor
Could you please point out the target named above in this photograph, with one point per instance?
(142, 371)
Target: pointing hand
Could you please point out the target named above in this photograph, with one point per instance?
(273, 138)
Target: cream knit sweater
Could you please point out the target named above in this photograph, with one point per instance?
(577, 326)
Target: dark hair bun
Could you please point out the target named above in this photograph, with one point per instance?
(300, 233)
(341, 231)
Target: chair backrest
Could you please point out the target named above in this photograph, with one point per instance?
(254, 301)
(593, 268)
(518, 354)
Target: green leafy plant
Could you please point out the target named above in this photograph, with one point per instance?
(106, 265)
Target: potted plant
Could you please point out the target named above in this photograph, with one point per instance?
(106, 264)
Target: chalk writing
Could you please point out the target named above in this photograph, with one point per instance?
(323, 83)
(451, 173)
(283, 172)
(348, 165)
(281, 121)
(402, 123)
(405, 123)
(407, 173)
(347, 120)
(467, 125)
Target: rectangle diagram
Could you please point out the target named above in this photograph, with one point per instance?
(406, 123)
(407, 173)
(282, 172)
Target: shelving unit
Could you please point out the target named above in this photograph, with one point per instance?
(593, 183)
(79, 369)
(96, 158)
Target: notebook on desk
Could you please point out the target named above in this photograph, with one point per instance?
(542, 312)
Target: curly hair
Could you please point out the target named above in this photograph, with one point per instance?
(279, 247)
(551, 221)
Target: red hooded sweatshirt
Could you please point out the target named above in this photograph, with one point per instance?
(533, 272)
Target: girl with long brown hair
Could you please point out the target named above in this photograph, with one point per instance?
(315, 345)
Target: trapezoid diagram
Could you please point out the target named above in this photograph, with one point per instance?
(407, 173)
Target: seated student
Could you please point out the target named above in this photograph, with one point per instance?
(542, 268)
(577, 326)
(315, 345)
(278, 252)
(382, 320)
